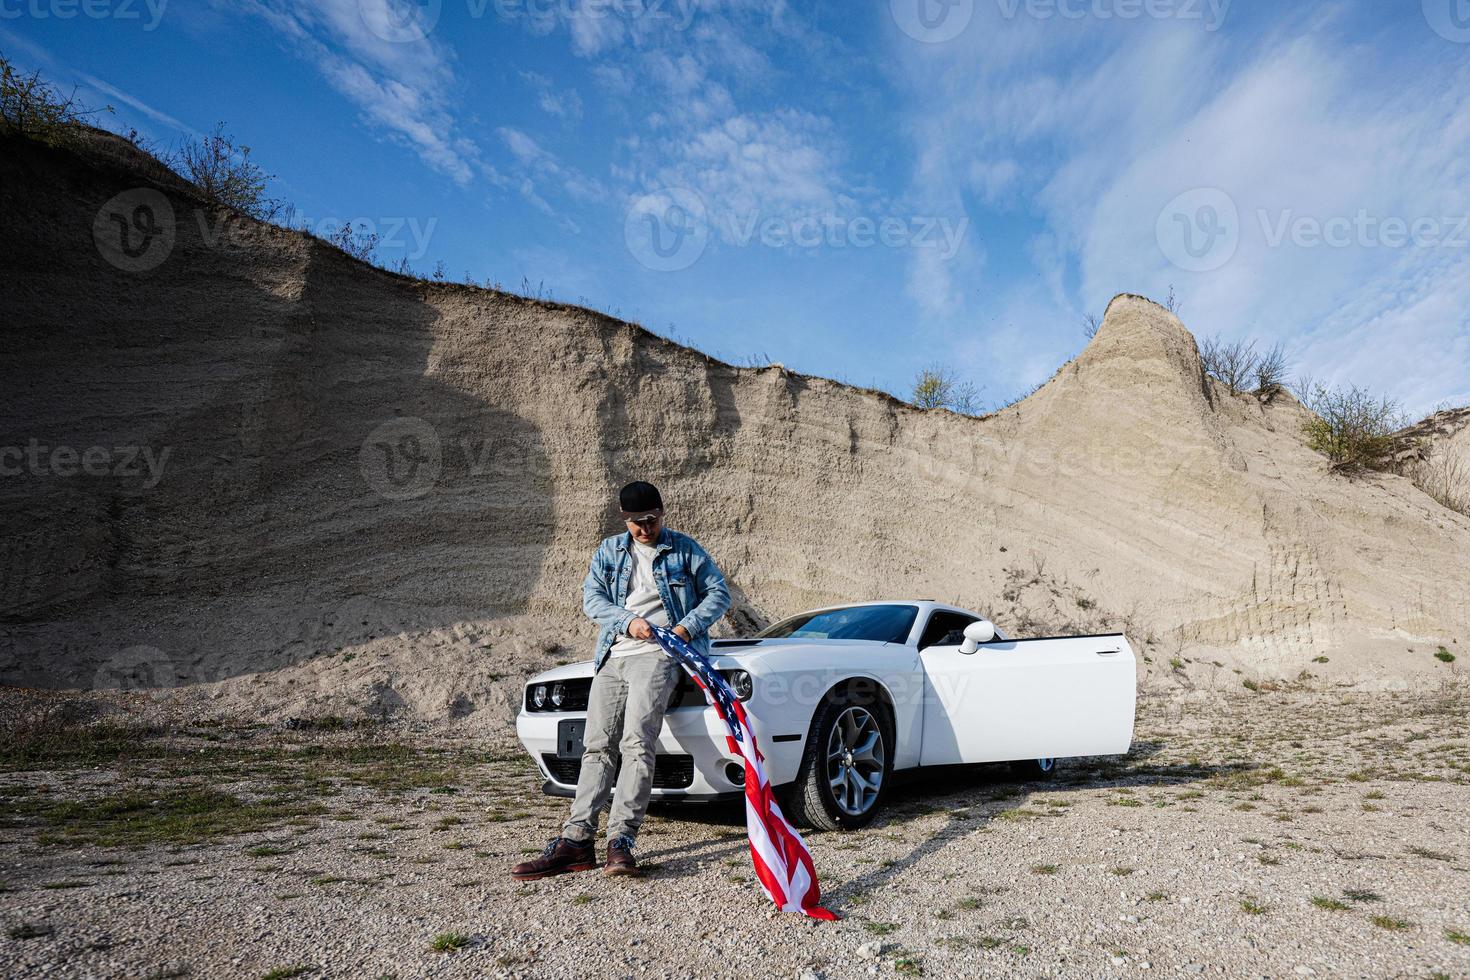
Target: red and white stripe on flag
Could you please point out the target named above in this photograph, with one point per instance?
(782, 862)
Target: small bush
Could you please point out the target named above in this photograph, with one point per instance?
(1233, 365)
(223, 172)
(1173, 303)
(1352, 427)
(34, 108)
(1090, 323)
(1270, 372)
(1444, 656)
(361, 245)
(1444, 477)
(938, 387)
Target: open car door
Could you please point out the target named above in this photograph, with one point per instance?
(1028, 699)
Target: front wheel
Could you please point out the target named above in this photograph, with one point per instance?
(847, 766)
(1032, 770)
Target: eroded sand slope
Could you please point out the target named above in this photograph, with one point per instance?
(381, 493)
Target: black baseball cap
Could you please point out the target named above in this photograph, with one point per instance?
(639, 499)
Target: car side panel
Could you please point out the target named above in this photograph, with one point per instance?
(791, 683)
(1028, 699)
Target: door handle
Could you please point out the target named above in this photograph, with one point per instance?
(1108, 653)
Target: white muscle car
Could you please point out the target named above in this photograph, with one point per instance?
(843, 698)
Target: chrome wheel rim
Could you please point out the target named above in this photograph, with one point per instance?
(855, 757)
(1046, 765)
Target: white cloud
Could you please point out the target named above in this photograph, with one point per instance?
(993, 180)
(1299, 124)
(536, 166)
(403, 87)
(563, 103)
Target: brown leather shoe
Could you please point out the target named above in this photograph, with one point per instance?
(620, 860)
(559, 857)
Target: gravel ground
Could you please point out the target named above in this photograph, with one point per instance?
(1280, 834)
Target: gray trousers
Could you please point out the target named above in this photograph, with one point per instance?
(625, 711)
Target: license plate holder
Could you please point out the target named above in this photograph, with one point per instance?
(569, 735)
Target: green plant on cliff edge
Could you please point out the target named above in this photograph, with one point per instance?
(1352, 427)
(34, 108)
(223, 172)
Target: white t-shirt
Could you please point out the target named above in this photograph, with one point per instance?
(643, 601)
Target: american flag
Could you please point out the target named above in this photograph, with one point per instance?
(782, 862)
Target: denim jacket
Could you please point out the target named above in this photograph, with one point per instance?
(689, 582)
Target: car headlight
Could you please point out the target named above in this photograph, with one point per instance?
(538, 696)
(558, 694)
(741, 684)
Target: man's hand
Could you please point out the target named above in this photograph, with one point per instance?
(683, 633)
(639, 629)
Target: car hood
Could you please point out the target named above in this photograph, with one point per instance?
(726, 655)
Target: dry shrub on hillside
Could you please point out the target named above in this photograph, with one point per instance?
(1233, 364)
(222, 171)
(938, 387)
(1444, 477)
(36, 109)
(1270, 371)
(1240, 368)
(359, 242)
(1352, 427)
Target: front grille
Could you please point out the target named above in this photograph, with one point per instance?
(669, 771)
(564, 771)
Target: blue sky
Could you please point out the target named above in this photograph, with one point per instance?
(858, 190)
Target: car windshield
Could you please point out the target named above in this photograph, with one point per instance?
(885, 624)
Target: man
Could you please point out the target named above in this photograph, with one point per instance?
(650, 575)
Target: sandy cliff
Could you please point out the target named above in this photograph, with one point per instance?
(373, 493)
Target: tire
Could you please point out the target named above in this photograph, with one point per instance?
(1034, 770)
(830, 757)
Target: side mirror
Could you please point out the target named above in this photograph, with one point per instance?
(978, 632)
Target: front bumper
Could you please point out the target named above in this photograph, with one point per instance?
(691, 758)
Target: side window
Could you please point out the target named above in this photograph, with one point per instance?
(945, 628)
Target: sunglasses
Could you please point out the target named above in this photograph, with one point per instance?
(648, 521)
